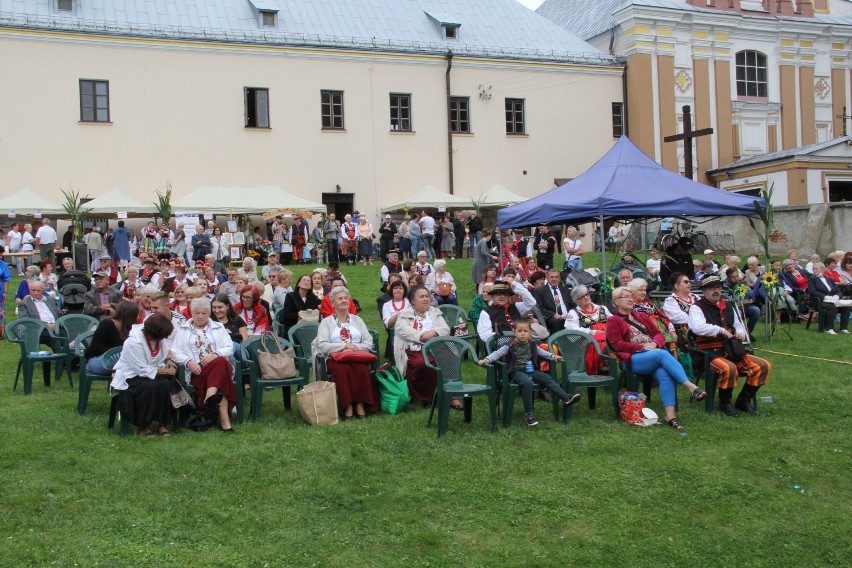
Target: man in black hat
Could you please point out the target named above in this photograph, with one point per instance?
(502, 314)
(392, 266)
(713, 321)
(678, 259)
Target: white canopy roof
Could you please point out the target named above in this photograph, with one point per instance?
(27, 202)
(499, 196)
(116, 200)
(243, 200)
(429, 197)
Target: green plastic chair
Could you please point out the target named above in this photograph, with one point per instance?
(27, 332)
(444, 355)
(572, 346)
(508, 391)
(250, 348)
(300, 337)
(84, 378)
(455, 315)
(68, 328)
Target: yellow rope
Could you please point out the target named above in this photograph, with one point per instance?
(804, 356)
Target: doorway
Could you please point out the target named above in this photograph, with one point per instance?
(341, 204)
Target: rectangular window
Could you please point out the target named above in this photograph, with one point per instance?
(451, 32)
(617, 120)
(268, 19)
(515, 116)
(400, 112)
(257, 107)
(332, 110)
(65, 5)
(460, 114)
(94, 101)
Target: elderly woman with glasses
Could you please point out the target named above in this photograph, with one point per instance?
(204, 346)
(590, 318)
(252, 311)
(338, 335)
(636, 339)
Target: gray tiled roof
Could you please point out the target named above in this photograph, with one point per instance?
(589, 18)
(490, 28)
(781, 154)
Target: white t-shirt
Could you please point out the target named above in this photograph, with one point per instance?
(428, 225)
(576, 243)
(14, 240)
(653, 265)
(46, 235)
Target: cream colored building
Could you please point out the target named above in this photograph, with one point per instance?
(772, 78)
(246, 92)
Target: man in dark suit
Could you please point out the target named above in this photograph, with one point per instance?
(100, 302)
(554, 300)
(677, 259)
(821, 286)
(458, 231)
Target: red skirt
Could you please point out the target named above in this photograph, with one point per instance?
(354, 384)
(216, 374)
(593, 360)
(422, 380)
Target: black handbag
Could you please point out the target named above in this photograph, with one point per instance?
(734, 349)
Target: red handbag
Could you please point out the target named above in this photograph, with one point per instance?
(356, 356)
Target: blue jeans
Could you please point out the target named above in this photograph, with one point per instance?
(451, 299)
(526, 382)
(415, 245)
(665, 369)
(238, 352)
(575, 264)
(752, 314)
(474, 239)
(427, 244)
(95, 366)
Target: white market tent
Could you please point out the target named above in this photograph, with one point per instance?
(429, 197)
(116, 200)
(243, 201)
(28, 202)
(499, 196)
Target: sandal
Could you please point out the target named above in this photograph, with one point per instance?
(674, 423)
(699, 394)
(164, 432)
(146, 432)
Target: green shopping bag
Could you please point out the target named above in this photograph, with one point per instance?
(393, 390)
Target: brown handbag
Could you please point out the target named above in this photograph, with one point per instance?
(445, 289)
(281, 365)
(318, 402)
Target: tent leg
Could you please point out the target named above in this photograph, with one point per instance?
(603, 258)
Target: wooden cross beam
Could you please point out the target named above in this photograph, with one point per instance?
(844, 117)
(687, 136)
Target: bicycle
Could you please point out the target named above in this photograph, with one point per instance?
(699, 239)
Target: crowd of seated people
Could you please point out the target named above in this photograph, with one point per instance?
(213, 309)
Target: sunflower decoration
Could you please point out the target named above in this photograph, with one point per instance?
(740, 291)
(770, 280)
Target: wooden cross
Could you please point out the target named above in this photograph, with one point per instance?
(687, 136)
(844, 117)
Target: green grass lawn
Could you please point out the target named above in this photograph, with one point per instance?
(387, 492)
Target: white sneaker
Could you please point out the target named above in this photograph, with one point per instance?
(831, 332)
(844, 331)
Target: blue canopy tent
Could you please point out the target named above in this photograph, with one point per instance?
(626, 184)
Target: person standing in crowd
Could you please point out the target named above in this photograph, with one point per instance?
(200, 243)
(573, 248)
(482, 258)
(404, 240)
(46, 239)
(474, 226)
(278, 229)
(448, 238)
(298, 238)
(331, 230)
(121, 244)
(365, 240)
(415, 233)
(95, 245)
(386, 234)
(677, 259)
(350, 242)
(545, 246)
(13, 244)
(458, 231)
(427, 225)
